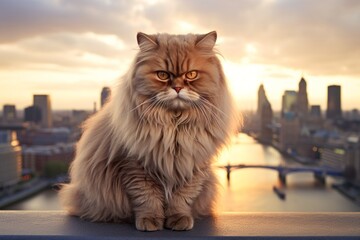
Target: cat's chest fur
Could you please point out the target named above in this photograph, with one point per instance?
(174, 151)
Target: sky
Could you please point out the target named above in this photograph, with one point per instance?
(70, 49)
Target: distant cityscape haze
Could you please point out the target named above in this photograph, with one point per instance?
(325, 143)
(69, 51)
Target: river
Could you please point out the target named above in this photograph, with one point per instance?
(249, 190)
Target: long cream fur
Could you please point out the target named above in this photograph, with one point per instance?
(146, 156)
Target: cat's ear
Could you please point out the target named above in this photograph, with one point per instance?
(146, 42)
(206, 41)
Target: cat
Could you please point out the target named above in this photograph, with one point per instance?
(147, 155)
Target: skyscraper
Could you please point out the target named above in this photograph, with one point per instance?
(261, 99)
(105, 95)
(44, 104)
(9, 113)
(302, 102)
(334, 102)
(265, 114)
(289, 132)
(315, 111)
(32, 114)
(266, 121)
(289, 100)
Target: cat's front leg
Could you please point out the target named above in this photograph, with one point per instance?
(148, 209)
(147, 202)
(179, 208)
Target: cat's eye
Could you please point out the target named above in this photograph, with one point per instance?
(163, 75)
(191, 75)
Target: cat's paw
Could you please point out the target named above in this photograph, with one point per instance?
(179, 222)
(149, 224)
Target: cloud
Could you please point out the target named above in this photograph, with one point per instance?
(65, 51)
(313, 36)
(24, 19)
(317, 37)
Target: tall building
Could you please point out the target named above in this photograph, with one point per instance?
(334, 102)
(353, 159)
(9, 113)
(10, 159)
(289, 100)
(315, 111)
(302, 107)
(264, 116)
(44, 104)
(265, 123)
(32, 114)
(289, 133)
(105, 95)
(261, 99)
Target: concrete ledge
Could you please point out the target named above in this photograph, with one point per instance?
(57, 225)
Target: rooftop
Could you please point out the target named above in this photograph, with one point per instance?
(57, 225)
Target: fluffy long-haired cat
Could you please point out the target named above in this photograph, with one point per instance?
(146, 156)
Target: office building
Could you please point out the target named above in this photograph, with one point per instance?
(45, 136)
(302, 107)
(44, 104)
(289, 101)
(10, 159)
(266, 121)
(314, 119)
(38, 158)
(264, 116)
(32, 114)
(261, 99)
(105, 95)
(353, 159)
(289, 133)
(9, 113)
(315, 111)
(333, 157)
(334, 102)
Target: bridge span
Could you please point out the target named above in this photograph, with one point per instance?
(320, 173)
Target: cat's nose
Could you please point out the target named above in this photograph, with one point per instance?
(177, 89)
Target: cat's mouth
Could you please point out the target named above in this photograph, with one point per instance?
(180, 101)
(179, 104)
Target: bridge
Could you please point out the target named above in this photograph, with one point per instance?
(320, 173)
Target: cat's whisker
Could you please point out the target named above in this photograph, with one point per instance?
(214, 116)
(145, 102)
(200, 108)
(146, 111)
(204, 100)
(151, 108)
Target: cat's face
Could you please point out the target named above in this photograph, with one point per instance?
(177, 72)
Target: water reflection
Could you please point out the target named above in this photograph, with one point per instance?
(250, 190)
(45, 200)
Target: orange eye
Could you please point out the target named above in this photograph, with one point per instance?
(163, 75)
(191, 75)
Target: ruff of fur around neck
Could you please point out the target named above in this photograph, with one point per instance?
(172, 149)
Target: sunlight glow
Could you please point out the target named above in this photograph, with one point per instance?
(185, 26)
(250, 48)
(109, 39)
(92, 58)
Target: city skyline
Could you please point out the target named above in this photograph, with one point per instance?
(105, 92)
(61, 47)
